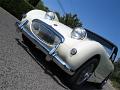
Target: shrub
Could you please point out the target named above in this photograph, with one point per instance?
(116, 75)
(16, 7)
(41, 6)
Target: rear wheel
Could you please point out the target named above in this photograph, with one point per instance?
(84, 73)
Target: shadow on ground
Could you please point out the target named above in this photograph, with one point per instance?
(53, 70)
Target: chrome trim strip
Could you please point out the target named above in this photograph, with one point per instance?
(45, 49)
(54, 49)
(35, 39)
(21, 25)
(62, 64)
(61, 61)
(30, 34)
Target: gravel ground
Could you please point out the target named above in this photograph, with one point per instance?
(21, 70)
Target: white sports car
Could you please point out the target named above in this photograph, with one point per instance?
(82, 54)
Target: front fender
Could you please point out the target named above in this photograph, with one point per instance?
(85, 50)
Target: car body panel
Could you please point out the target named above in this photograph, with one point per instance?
(86, 48)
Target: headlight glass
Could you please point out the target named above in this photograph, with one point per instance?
(79, 33)
(50, 15)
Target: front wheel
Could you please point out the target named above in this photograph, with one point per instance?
(84, 72)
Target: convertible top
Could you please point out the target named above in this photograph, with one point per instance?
(103, 41)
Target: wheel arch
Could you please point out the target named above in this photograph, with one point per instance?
(98, 56)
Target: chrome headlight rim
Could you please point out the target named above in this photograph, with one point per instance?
(79, 33)
(50, 15)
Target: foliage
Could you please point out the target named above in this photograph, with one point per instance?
(116, 84)
(34, 2)
(116, 74)
(70, 20)
(19, 7)
(41, 6)
(16, 7)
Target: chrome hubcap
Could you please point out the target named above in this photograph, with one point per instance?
(85, 74)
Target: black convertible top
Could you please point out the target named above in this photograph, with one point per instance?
(103, 41)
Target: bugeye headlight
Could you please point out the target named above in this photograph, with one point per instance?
(50, 15)
(79, 33)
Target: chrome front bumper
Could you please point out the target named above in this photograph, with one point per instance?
(42, 46)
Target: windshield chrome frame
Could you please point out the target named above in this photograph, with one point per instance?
(114, 48)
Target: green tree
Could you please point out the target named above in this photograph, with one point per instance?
(70, 20)
(116, 74)
(34, 2)
(16, 7)
(41, 6)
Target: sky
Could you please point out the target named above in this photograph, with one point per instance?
(99, 16)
